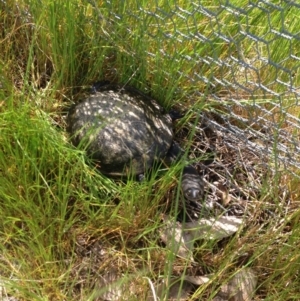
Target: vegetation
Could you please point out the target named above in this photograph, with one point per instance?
(62, 223)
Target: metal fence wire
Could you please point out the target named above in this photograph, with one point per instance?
(258, 86)
(243, 57)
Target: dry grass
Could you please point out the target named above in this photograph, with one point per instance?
(65, 228)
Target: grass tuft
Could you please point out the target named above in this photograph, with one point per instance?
(64, 226)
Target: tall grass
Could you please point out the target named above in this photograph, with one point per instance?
(50, 53)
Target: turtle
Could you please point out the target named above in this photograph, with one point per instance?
(126, 131)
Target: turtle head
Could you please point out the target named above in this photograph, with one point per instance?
(192, 184)
(192, 194)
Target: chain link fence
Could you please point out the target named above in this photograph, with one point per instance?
(252, 50)
(242, 61)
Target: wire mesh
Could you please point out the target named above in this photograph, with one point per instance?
(245, 57)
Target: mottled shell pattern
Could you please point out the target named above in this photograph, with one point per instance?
(125, 131)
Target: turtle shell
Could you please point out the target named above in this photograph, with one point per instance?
(124, 131)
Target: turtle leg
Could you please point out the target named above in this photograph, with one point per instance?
(175, 114)
(174, 154)
(192, 184)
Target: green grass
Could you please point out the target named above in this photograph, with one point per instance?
(51, 198)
